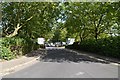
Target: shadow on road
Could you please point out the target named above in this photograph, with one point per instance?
(36, 53)
(62, 55)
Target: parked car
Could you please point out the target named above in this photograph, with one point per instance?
(63, 43)
(52, 45)
(47, 44)
(58, 44)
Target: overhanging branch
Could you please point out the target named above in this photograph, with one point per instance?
(17, 28)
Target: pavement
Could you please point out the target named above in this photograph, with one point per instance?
(63, 63)
(100, 57)
(7, 67)
(10, 66)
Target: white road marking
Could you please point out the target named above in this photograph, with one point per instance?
(116, 64)
(80, 73)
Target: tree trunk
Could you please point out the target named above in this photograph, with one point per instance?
(15, 31)
(17, 28)
(97, 27)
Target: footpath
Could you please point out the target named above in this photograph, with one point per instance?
(111, 60)
(7, 67)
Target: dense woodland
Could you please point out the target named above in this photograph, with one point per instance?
(95, 26)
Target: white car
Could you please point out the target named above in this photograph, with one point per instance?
(58, 44)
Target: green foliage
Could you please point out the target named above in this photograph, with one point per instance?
(11, 47)
(7, 42)
(6, 54)
(23, 22)
(31, 20)
(14, 47)
(105, 46)
(92, 19)
(30, 45)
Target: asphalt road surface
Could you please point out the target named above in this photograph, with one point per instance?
(62, 63)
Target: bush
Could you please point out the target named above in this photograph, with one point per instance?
(106, 46)
(14, 47)
(30, 45)
(6, 54)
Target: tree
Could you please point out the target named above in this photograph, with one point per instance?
(28, 19)
(90, 19)
(77, 20)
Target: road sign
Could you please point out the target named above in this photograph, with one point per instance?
(41, 40)
(70, 41)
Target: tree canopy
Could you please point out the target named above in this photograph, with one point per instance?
(79, 20)
(94, 25)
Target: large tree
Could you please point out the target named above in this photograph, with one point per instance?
(28, 19)
(91, 20)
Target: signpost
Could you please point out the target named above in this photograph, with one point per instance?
(41, 40)
(70, 41)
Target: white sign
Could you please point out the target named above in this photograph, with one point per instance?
(70, 41)
(41, 40)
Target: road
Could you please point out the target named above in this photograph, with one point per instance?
(62, 63)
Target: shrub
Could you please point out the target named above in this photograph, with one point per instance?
(30, 45)
(6, 54)
(106, 46)
(14, 47)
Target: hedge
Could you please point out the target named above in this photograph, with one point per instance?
(107, 46)
(15, 47)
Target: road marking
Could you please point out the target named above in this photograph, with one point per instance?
(116, 64)
(80, 73)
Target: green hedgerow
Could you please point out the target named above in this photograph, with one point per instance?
(6, 54)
